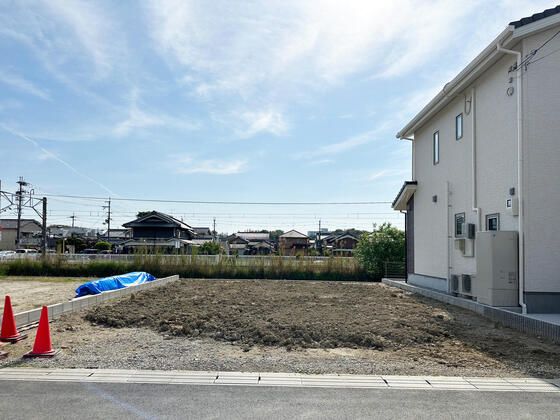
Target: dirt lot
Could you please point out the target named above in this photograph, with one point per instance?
(33, 292)
(320, 327)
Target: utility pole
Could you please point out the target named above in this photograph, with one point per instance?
(214, 231)
(108, 221)
(44, 227)
(319, 239)
(73, 217)
(19, 194)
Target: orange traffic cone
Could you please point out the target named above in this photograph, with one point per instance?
(9, 332)
(42, 346)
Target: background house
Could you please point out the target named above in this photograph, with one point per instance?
(158, 232)
(250, 243)
(31, 232)
(293, 243)
(116, 236)
(343, 245)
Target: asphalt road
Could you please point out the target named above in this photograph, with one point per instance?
(60, 400)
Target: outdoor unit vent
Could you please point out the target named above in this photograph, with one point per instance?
(467, 285)
(455, 283)
(469, 230)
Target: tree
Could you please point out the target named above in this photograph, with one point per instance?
(275, 234)
(384, 244)
(210, 248)
(102, 246)
(142, 213)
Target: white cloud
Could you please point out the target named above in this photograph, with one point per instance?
(20, 83)
(67, 37)
(396, 172)
(189, 165)
(138, 118)
(320, 162)
(92, 28)
(285, 44)
(342, 146)
(256, 122)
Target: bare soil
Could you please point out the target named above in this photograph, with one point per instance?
(313, 327)
(33, 292)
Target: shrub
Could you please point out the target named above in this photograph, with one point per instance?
(384, 244)
(102, 246)
(210, 248)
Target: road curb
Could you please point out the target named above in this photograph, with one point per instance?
(434, 383)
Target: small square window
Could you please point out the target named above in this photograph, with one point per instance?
(459, 220)
(493, 221)
(458, 126)
(436, 148)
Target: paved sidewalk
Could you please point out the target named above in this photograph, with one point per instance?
(447, 383)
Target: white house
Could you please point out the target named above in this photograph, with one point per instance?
(483, 205)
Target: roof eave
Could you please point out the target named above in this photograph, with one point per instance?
(462, 80)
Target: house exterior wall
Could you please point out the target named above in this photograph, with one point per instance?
(451, 179)
(8, 242)
(541, 138)
(496, 172)
(293, 246)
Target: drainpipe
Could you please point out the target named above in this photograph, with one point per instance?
(519, 177)
(448, 236)
(474, 183)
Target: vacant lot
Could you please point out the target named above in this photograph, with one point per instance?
(330, 327)
(33, 292)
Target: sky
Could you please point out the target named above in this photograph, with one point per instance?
(245, 101)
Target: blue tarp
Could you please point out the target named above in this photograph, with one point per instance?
(112, 283)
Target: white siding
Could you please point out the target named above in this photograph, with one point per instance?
(542, 164)
(496, 171)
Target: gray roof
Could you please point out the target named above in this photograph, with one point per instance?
(27, 225)
(202, 232)
(162, 216)
(254, 236)
(537, 16)
(294, 234)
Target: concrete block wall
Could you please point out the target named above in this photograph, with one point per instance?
(75, 305)
(506, 318)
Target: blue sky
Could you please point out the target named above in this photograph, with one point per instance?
(228, 101)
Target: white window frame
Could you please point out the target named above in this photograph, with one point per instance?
(457, 216)
(493, 216)
(458, 118)
(435, 148)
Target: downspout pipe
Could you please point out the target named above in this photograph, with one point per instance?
(475, 207)
(519, 176)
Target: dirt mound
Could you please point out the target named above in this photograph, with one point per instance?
(281, 313)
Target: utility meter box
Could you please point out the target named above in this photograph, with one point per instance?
(497, 281)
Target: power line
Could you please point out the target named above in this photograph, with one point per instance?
(529, 56)
(254, 203)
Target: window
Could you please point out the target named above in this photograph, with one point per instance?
(493, 221)
(458, 126)
(459, 220)
(436, 148)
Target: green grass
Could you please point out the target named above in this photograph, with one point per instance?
(333, 269)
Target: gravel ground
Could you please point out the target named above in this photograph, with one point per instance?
(33, 292)
(469, 346)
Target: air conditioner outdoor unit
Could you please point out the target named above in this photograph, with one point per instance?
(467, 285)
(455, 288)
(468, 230)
